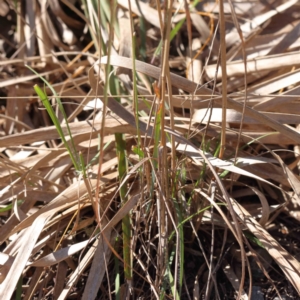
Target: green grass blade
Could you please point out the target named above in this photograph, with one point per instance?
(95, 159)
(114, 86)
(46, 103)
(19, 289)
(173, 33)
(72, 150)
(9, 206)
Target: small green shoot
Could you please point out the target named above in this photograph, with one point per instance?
(253, 239)
(44, 98)
(9, 206)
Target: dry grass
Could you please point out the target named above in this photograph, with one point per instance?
(186, 120)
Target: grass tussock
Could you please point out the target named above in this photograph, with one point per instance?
(149, 150)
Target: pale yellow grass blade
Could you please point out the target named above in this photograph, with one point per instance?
(60, 255)
(260, 64)
(215, 115)
(276, 83)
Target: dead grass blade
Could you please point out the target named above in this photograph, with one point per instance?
(111, 126)
(29, 240)
(234, 279)
(260, 64)
(99, 265)
(64, 200)
(191, 87)
(82, 265)
(248, 27)
(60, 230)
(288, 264)
(148, 12)
(60, 255)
